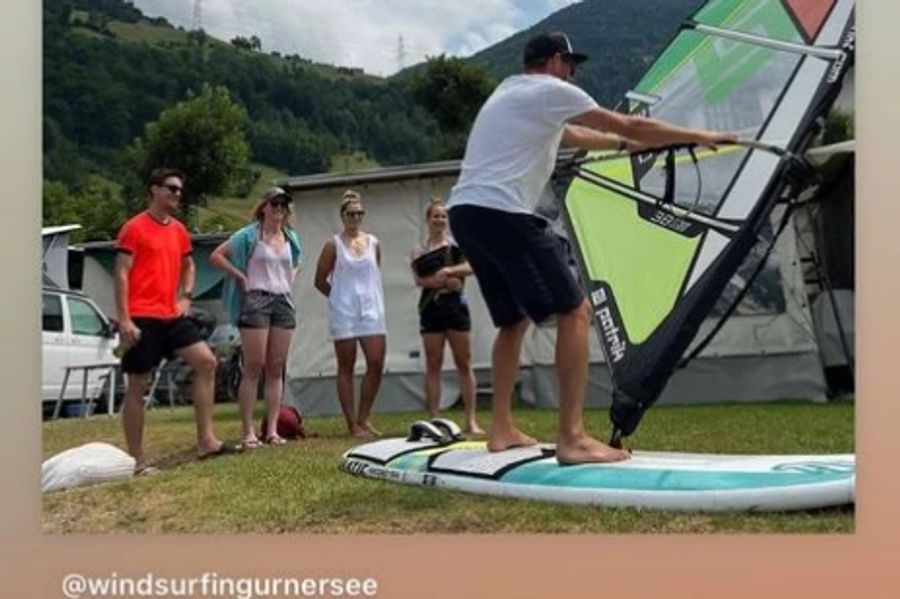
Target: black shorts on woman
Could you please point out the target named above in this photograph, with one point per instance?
(445, 312)
(520, 264)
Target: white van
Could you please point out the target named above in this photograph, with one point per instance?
(74, 332)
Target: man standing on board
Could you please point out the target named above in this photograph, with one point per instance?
(519, 262)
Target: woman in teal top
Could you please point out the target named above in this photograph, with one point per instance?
(262, 261)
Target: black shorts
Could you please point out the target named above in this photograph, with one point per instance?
(521, 265)
(445, 314)
(159, 339)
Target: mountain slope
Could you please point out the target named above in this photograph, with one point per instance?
(621, 37)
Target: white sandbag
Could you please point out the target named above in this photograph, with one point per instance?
(85, 465)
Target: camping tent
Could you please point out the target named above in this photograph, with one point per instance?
(55, 255)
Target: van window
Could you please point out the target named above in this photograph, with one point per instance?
(85, 319)
(51, 313)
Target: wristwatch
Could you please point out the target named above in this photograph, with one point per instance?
(187, 295)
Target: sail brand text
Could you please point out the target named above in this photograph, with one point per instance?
(611, 333)
(848, 46)
(614, 343)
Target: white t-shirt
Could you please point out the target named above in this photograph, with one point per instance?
(269, 269)
(512, 147)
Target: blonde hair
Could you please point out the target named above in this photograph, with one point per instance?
(348, 198)
(432, 204)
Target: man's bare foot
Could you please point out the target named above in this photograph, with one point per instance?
(585, 449)
(509, 440)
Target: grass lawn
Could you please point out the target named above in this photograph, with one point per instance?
(298, 488)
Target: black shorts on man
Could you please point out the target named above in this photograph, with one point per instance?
(261, 310)
(521, 265)
(160, 338)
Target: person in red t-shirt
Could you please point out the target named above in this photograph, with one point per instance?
(154, 264)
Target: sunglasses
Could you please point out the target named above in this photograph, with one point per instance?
(279, 204)
(174, 189)
(358, 213)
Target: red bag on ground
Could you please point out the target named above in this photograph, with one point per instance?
(289, 425)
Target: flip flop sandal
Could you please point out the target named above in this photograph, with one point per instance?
(275, 440)
(252, 444)
(224, 449)
(147, 471)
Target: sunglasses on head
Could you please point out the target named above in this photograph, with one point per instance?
(174, 189)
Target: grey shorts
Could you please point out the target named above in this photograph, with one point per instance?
(261, 310)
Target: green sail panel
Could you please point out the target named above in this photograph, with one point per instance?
(644, 264)
(711, 71)
(765, 18)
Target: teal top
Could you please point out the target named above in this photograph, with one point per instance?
(241, 245)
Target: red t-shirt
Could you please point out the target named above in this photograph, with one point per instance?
(157, 251)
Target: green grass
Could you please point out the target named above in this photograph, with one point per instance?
(299, 489)
(146, 33)
(352, 161)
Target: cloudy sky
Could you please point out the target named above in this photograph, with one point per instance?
(361, 33)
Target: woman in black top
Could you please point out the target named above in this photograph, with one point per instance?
(439, 268)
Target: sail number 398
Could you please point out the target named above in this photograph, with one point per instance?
(673, 223)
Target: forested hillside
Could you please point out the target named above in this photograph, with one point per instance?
(622, 37)
(108, 71)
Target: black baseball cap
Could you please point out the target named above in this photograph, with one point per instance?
(545, 45)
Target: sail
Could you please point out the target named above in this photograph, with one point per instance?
(659, 234)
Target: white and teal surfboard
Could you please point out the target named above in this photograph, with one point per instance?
(657, 480)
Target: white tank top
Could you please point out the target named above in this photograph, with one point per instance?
(356, 300)
(269, 269)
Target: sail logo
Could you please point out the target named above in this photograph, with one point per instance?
(615, 345)
(645, 157)
(836, 467)
(849, 45)
(611, 333)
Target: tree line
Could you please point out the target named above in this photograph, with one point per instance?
(105, 97)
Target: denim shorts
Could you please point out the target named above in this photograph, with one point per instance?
(261, 310)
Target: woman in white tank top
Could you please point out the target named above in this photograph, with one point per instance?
(348, 275)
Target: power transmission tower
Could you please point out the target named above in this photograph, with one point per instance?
(401, 53)
(197, 23)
